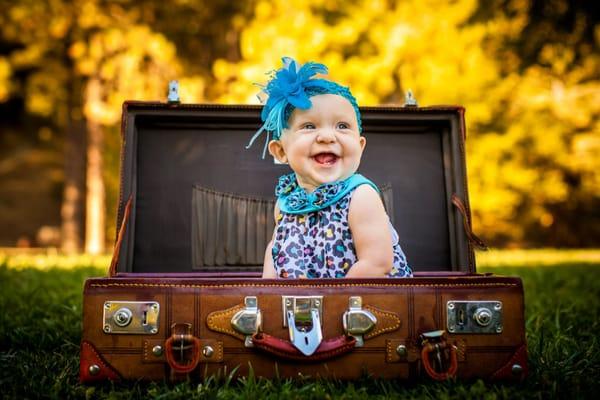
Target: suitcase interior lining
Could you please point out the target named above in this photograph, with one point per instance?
(230, 229)
(168, 153)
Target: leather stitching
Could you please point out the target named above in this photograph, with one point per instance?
(216, 326)
(383, 329)
(100, 360)
(177, 285)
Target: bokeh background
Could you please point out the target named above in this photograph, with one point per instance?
(527, 71)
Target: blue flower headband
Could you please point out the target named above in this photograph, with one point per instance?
(291, 87)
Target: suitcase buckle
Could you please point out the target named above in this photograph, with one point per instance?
(183, 344)
(357, 321)
(302, 316)
(444, 355)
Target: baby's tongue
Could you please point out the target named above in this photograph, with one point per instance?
(325, 158)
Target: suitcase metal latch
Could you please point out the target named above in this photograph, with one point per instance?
(131, 317)
(302, 316)
(357, 321)
(249, 320)
(474, 316)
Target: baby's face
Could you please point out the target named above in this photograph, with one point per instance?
(321, 144)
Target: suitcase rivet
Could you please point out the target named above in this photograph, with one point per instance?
(498, 306)
(401, 350)
(94, 369)
(317, 303)
(107, 305)
(157, 351)
(208, 351)
(499, 328)
(517, 369)
(450, 306)
(451, 328)
(106, 328)
(153, 330)
(288, 302)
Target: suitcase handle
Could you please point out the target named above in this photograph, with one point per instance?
(281, 348)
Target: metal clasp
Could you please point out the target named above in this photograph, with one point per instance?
(249, 320)
(130, 317)
(357, 321)
(474, 317)
(302, 315)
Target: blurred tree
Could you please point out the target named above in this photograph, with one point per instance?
(75, 62)
(536, 175)
(526, 71)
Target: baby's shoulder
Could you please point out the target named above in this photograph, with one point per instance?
(365, 193)
(364, 197)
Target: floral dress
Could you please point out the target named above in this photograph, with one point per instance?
(318, 244)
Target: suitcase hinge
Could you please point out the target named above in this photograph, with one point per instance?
(173, 95)
(357, 321)
(249, 320)
(409, 99)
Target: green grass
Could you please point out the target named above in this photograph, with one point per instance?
(40, 329)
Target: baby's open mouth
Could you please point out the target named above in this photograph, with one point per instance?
(325, 158)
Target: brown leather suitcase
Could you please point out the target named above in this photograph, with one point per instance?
(184, 297)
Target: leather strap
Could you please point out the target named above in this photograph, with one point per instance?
(387, 321)
(180, 334)
(112, 270)
(329, 348)
(439, 376)
(220, 321)
(475, 241)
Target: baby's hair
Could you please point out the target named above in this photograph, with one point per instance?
(291, 87)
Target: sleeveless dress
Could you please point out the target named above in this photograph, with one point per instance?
(318, 244)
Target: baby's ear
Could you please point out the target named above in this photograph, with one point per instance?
(277, 151)
(363, 142)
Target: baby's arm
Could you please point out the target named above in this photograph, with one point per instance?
(369, 224)
(268, 267)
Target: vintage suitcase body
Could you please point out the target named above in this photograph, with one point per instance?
(184, 297)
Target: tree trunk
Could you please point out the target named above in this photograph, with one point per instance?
(95, 197)
(73, 205)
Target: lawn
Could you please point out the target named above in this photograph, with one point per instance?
(40, 329)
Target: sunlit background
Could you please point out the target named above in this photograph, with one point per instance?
(528, 73)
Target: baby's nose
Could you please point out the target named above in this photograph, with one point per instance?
(326, 135)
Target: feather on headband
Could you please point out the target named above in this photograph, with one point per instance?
(291, 87)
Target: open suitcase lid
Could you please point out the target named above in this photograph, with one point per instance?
(172, 153)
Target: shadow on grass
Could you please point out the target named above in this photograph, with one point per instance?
(40, 330)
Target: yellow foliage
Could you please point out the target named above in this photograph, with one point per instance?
(527, 130)
(5, 73)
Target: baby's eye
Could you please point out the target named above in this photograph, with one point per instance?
(309, 125)
(343, 125)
